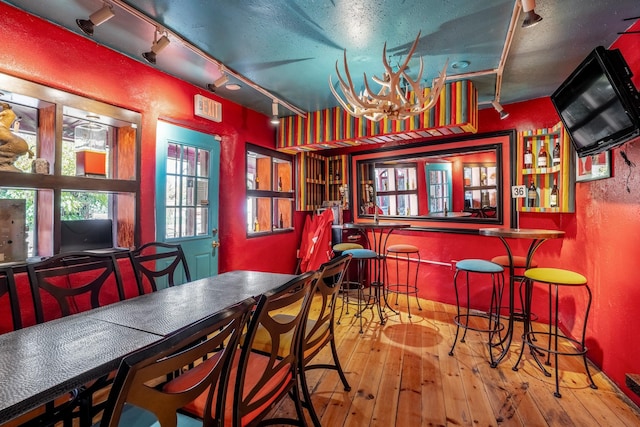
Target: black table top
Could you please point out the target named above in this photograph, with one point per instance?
(47, 360)
(171, 309)
(43, 361)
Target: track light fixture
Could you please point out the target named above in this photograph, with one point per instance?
(274, 110)
(96, 18)
(531, 18)
(158, 45)
(500, 110)
(223, 79)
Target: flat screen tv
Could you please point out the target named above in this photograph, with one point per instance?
(598, 103)
(85, 234)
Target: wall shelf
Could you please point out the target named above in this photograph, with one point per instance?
(563, 174)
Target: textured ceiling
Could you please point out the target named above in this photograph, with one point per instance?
(290, 48)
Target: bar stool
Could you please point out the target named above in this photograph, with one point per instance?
(338, 249)
(554, 278)
(363, 257)
(483, 267)
(400, 254)
(519, 266)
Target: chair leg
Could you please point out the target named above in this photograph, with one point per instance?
(455, 286)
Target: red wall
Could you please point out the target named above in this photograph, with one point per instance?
(601, 237)
(55, 57)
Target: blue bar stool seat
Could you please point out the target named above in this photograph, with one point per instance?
(488, 322)
(408, 283)
(363, 258)
(553, 341)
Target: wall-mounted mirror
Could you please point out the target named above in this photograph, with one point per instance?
(462, 181)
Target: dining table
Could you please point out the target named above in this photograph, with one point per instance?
(536, 238)
(41, 362)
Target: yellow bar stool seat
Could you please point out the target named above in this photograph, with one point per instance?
(400, 256)
(553, 341)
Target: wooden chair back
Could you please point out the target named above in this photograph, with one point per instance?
(157, 265)
(146, 387)
(73, 282)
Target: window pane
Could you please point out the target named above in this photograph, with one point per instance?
(173, 158)
(188, 222)
(203, 163)
(203, 191)
(202, 221)
(17, 224)
(260, 208)
(172, 190)
(84, 205)
(189, 161)
(171, 223)
(188, 190)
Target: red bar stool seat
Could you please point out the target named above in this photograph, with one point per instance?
(400, 257)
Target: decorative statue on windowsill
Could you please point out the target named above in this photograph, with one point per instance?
(11, 146)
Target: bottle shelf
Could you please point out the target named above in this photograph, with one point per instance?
(544, 178)
(320, 179)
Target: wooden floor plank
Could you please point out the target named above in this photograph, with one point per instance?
(401, 374)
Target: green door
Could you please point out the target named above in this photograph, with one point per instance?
(438, 186)
(187, 185)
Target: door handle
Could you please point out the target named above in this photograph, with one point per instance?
(215, 244)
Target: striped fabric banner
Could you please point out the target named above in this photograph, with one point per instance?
(456, 112)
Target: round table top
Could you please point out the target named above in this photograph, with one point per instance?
(522, 233)
(377, 225)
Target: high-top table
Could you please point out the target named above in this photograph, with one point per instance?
(41, 362)
(380, 232)
(537, 237)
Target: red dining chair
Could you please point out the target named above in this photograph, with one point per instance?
(146, 390)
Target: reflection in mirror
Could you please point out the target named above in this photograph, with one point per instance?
(462, 184)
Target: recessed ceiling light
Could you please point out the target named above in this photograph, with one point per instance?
(458, 65)
(233, 86)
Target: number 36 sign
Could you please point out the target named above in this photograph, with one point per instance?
(519, 191)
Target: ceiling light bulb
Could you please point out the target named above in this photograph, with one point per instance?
(503, 114)
(274, 110)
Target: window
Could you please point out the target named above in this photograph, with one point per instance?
(439, 187)
(480, 189)
(397, 192)
(84, 167)
(270, 195)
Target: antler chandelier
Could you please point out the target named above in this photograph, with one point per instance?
(399, 97)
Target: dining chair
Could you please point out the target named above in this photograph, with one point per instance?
(146, 390)
(319, 328)
(9, 292)
(73, 282)
(66, 284)
(259, 380)
(156, 265)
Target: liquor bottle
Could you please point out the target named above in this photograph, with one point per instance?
(542, 156)
(553, 198)
(528, 157)
(556, 154)
(281, 222)
(279, 183)
(256, 225)
(532, 195)
(257, 183)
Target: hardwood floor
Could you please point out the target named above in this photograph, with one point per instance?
(402, 375)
